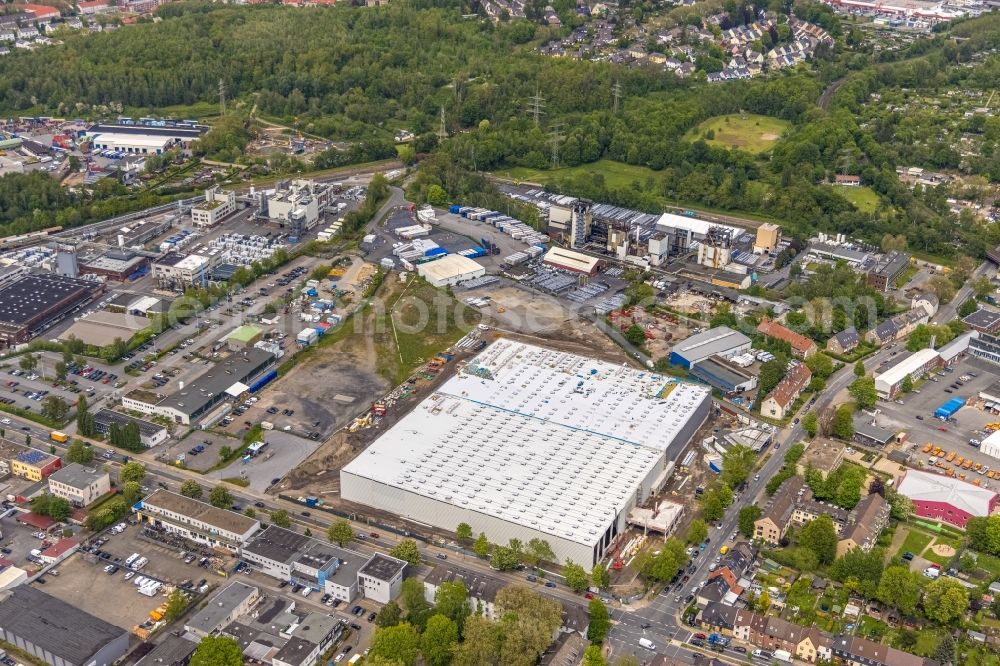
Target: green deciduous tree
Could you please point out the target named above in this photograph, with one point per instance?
(407, 551)
(636, 335)
(340, 533)
(600, 623)
(463, 533)
(56, 508)
(575, 576)
(820, 365)
(737, 463)
(55, 408)
(220, 497)
(747, 517)
(810, 423)
(863, 391)
(132, 471)
(192, 489)
(400, 642)
(78, 452)
(177, 602)
(662, 567)
(528, 621)
(279, 517)
(482, 546)
(217, 651)
(859, 369)
(389, 616)
(452, 601)
(900, 588)
(907, 384)
(592, 656)
(538, 550)
(843, 423)
(820, 536)
(438, 640)
(600, 576)
(480, 645)
(697, 532)
(945, 600)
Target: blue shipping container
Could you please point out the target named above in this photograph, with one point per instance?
(263, 381)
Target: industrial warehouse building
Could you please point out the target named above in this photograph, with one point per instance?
(568, 260)
(103, 327)
(120, 265)
(33, 303)
(450, 270)
(196, 520)
(724, 376)
(57, 633)
(226, 379)
(914, 366)
(720, 341)
(527, 442)
(143, 139)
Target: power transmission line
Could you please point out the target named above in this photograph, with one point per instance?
(536, 107)
(555, 136)
(616, 90)
(222, 97)
(442, 132)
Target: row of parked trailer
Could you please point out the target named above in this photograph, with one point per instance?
(518, 258)
(513, 227)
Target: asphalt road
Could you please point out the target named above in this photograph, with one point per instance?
(949, 311)
(660, 620)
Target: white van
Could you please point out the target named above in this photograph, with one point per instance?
(131, 558)
(646, 643)
(306, 591)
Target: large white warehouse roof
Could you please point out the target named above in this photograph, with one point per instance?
(546, 440)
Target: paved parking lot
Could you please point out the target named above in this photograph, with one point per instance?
(21, 540)
(112, 598)
(284, 452)
(165, 561)
(952, 436)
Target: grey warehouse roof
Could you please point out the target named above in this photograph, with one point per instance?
(718, 340)
(54, 625)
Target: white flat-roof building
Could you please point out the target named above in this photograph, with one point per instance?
(527, 442)
(143, 139)
(180, 269)
(218, 204)
(450, 270)
(720, 341)
(917, 364)
(568, 260)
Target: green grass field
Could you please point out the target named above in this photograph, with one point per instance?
(915, 542)
(863, 198)
(744, 131)
(616, 174)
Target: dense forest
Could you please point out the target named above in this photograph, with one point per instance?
(359, 75)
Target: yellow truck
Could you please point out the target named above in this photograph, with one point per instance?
(57, 436)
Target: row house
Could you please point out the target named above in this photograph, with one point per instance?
(866, 523)
(807, 643)
(802, 346)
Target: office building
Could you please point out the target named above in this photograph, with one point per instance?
(34, 465)
(177, 271)
(381, 578)
(80, 485)
(984, 321)
(218, 205)
(292, 557)
(526, 442)
(887, 269)
(223, 608)
(150, 434)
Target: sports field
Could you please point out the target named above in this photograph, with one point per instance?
(746, 131)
